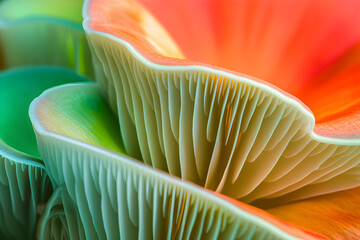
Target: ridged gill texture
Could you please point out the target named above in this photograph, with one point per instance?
(118, 197)
(221, 131)
(22, 187)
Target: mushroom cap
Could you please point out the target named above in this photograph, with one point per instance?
(115, 196)
(222, 129)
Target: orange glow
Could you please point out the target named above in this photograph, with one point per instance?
(286, 43)
(334, 97)
(336, 216)
(295, 231)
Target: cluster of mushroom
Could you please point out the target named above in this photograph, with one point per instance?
(179, 119)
